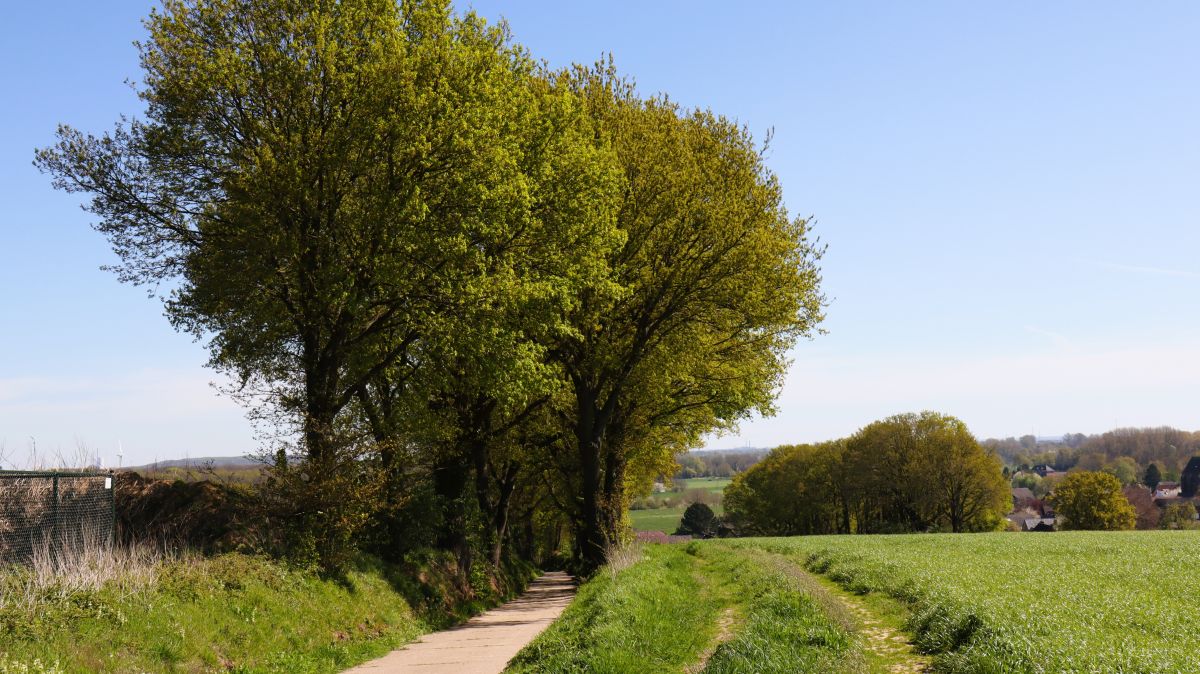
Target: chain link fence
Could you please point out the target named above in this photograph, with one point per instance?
(54, 513)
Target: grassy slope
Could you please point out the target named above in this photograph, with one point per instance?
(1071, 601)
(679, 605)
(228, 613)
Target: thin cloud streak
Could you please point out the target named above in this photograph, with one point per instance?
(1157, 271)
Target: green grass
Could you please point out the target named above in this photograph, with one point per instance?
(1062, 602)
(712, 484)
(661, 519)
(666, 520)
(679, 607)
(232, 613)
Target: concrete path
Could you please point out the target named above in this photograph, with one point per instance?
(485, 643)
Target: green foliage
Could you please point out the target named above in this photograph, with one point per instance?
(1153, 477)
(235, 613)
(1088, 500)
(1179, 515)
(906, 473)
(1124, 469)
(698, 520)
(426, 258)
(1109, 602)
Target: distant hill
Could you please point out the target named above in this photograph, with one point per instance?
(200, 462)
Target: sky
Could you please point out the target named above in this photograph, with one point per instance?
(1009, 192)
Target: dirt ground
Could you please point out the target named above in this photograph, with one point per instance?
(484, 644)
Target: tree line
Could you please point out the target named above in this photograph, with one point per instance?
(910, 472)
(1123, 452)
(472, 300)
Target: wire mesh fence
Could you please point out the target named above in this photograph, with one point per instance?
(57, 513)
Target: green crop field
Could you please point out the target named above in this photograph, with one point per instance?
(712, 484)
(1006, 602)
(661, 519)
(666, 519)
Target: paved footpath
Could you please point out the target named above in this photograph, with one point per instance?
(485, 643)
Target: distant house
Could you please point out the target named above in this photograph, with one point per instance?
(1039, 524)
(1022, 497)
(1167, 490)
(1044, 470)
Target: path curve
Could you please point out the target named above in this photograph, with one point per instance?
(484, 644)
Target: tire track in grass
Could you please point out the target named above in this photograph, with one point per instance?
(879, 619)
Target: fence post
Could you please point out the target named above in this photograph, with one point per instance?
(54, 520)
(112, 509)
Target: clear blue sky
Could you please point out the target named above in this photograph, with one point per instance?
(1010, 193)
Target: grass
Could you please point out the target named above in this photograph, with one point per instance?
(661, 519)
(712, 484)
(666, 519)
(700, 607)
(141, 610)
(1069, 601)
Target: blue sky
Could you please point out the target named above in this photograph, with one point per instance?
(1010, 193)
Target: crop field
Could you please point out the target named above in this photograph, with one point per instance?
(711, 484)
(665, 520)
(1006, 602)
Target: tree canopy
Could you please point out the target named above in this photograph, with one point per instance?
(1092, 500)
(910, 472)
(455, 284)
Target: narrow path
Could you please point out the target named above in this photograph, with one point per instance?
(484, 644)
(880, 619)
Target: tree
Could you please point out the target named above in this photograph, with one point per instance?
(1123, 468)
(1092, 500)
(324, 185)
(698, 520)
(1179, 515)
(792, 491)
(1142, 500)
(1153, 477)
(712, 286)
(1189, 479)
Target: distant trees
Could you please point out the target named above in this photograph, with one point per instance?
(1168, 447)
(911, 472)
(1092, 500)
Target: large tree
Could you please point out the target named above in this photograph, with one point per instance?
(1092, 500)
(321, 185)
(714, 283)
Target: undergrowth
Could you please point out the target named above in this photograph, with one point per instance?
(229, 613)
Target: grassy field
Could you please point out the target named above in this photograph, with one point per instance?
(1062, 602)
(700, 607)
(661, 519)
(667, 519)
(712, 484)
(236, 613)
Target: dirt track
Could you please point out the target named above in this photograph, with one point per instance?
(484, 644)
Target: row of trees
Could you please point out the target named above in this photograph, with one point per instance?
(717, 463)
(459, 288)
(910, 472)
(1123, 452)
